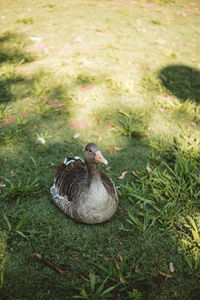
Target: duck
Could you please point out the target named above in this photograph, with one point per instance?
(82, 191)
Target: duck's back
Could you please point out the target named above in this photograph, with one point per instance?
(71, 178)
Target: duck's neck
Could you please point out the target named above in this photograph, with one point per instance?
(93, 171)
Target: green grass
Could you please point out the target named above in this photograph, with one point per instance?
(125, 75)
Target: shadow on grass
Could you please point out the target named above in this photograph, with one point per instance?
(182, 81)
(12, 48)
(12, 53)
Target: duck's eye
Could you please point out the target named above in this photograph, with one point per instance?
(90, 151)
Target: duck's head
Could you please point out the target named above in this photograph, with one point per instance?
(92, 154)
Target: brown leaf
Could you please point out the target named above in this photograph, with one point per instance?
(135, 174)
(171, 267)
(86, 87)
(105, 258)
(83, 277)
(123, 175)
(118, 148)
(117, 266)
(137, 269)
(12, 174)
(119, 257)
(121, 279)
(110, 150)
(76, 135)
(54, 103)
(78, 124)
(149, 170)
(7, 121)
(192, 124)
(100, 139)
(167, 276)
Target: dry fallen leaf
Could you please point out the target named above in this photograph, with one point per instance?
(110, 150)
(137, 269)
(108, 168)
(118, 148)
(8, 120)
(149, 170)
(121, 279)
(171, 267)
(135, 174)
(2, 185)
(78, 124)
(12, 173)
(100, 139)
(119, 257)
(54, 103)
(167, 276)
(117, 266)
(76, 135)
(105, 258)
(86, 87)
(123, 175)
(84, 278)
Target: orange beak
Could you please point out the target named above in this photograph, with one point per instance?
(99, 158)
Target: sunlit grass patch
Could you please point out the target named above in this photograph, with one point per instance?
(26, 20)
(190, 242)
(130, 124)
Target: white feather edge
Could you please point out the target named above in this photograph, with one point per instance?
(72, 160)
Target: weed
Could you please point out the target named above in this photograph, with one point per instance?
(28, 20)
(190, 244)
(22, 188)
(163, 194)
(94, 292)
(16, 229)
(9, 74)
(156, 22)
(128, 126)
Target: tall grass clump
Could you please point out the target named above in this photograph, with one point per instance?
(130, 124)
(164, 193)
(47, 86)
(190, 243)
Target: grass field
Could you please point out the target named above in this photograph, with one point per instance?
(125, 75)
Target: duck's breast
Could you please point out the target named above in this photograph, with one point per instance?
(98, 205)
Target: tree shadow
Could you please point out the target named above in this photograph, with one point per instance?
(182, 81)
(12, 53)
(12, 48)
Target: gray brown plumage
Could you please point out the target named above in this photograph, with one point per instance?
(82, 191)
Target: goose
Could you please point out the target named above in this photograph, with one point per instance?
(83, 192)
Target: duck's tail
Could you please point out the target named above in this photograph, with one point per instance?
(61, 201)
